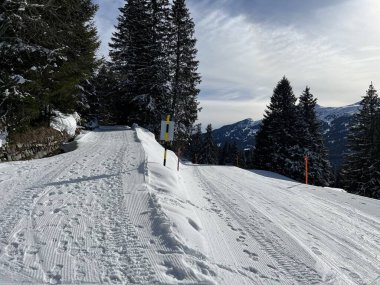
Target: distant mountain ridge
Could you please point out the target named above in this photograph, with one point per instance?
(334, 126)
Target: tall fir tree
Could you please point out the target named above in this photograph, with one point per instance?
(277, 146)
(26, 50)
(196, 143)
(209, 151)
(103, 105)
(160, 80)
(131, 53)
(48, 50)
(184, 66)
(360, 168)
(140, 54)
(311, 142)
(77, 39)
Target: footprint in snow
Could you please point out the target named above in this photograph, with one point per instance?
(316, 251)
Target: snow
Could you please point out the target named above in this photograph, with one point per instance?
(63, 122)
(328, 114)
(109, 212)
(3, 137)
(19, 79)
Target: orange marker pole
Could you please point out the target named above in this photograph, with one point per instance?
(306, 169)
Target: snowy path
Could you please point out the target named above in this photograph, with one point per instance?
(110, 213)
(67, 219)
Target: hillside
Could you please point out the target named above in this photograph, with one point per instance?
(334, 127)
(110, 213)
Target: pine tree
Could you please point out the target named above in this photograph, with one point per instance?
(131, 53)
(361, 167)
(76, 37)
(209, 152)
(277, 146)
(311, 142)
(24, 53)
(103, 104)
(196, 144)
(373, 185)
(185, 77)
(160, 80)
(47, 49)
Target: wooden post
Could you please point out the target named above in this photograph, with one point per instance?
(178, 155)
(306, 169)
(166, 137)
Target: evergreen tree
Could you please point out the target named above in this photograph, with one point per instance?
(47, 49)
(131, 53)
(103, 104)
(140, 54)
(223, 154)
(160, 80)
(25, 52)
(373, 185)
(185, 77)
(277, 146)
(196, 144)
(209, 152)
(360, 169)
(76, 38)
(311, 142)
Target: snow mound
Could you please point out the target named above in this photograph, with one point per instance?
(62, 122)
(175, 219)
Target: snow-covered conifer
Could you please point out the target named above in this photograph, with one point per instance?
(361, 165)
(277, 143)
(209, 151)
(184, 65)
(311, 142)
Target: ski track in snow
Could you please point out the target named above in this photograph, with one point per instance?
(110, 213)
(308, 239)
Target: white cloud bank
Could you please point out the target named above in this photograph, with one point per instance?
(335, 50)
(337, 54)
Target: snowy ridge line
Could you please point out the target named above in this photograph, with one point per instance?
(185, 264)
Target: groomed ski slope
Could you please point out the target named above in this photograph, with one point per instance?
(110, 213)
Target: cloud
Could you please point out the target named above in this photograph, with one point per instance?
(333, 50)
(246, 46)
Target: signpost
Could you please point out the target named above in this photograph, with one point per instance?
(167, 134)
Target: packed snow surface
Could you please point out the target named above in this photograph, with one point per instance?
(110, 213)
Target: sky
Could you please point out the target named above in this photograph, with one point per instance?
(246, 46)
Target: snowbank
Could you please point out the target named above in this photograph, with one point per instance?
(62, 122)
(177, 222)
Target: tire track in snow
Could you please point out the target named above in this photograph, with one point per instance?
(266, 236)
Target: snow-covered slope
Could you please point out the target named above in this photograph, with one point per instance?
(329, 114)
(110, 213)
(242, 133)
